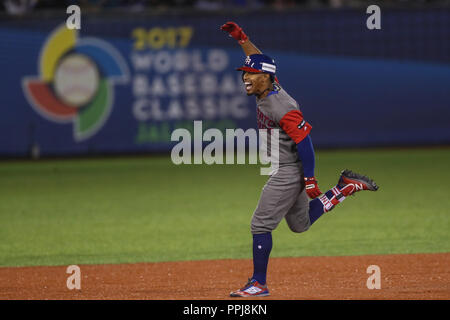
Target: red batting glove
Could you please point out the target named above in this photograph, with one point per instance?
(311, 187)
(235, 31)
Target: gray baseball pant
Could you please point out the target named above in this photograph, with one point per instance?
(283, 196)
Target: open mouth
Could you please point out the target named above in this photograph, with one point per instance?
(248, 85)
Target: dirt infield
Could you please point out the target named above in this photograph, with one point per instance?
(413, 276)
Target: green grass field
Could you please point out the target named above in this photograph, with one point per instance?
(145, 209)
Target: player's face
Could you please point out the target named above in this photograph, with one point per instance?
(255, 83)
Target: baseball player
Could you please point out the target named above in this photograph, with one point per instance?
(285, 194)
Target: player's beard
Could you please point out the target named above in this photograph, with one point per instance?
(253, 90)
(258, 88)
(258, 92)
(250, 93)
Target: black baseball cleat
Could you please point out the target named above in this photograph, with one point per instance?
(351, 182)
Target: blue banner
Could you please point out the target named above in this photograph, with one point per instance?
(124, 89)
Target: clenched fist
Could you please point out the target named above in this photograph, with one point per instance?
(312, 188)
(235, 31)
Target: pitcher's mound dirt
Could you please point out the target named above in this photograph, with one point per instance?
(413, 276)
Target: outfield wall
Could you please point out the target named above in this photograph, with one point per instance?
(125, 81)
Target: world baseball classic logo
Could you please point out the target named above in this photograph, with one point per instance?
(76, 81)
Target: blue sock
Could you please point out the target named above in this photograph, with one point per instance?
(315, 210)
(316, 206)
(262, 245)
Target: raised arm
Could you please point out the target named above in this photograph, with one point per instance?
(238, 34)
(249, 48)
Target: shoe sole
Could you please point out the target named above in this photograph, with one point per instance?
(250, 296)
(371, 185)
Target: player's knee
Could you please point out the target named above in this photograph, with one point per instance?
(299, 228)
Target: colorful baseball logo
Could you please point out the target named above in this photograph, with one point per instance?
(76, 81)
